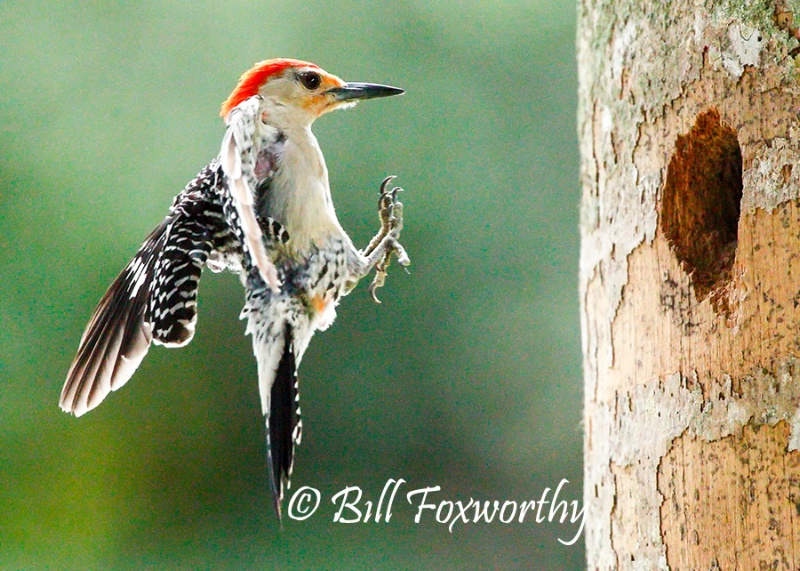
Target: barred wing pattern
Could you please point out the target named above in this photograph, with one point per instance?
(154, 299)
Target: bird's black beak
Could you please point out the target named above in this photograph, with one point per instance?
(357, 91)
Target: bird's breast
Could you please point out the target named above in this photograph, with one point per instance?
(293, 189)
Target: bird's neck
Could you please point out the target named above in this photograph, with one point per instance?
(299, 194)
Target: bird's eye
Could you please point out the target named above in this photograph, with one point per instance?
(310, 79)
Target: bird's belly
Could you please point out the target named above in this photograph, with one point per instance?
(319, 280)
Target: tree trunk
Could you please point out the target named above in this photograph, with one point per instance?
(690, 284)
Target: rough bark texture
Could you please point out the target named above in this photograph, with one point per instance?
(690, 284)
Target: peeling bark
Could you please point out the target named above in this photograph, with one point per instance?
(690, 283)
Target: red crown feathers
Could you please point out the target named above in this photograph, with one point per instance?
(252, 80)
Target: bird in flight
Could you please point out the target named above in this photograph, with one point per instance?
(263, 210)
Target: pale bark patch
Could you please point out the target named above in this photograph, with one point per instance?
(740, 509)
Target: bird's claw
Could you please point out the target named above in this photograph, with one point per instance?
(377, 282)
(390, 213)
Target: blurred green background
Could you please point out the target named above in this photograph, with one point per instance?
(466, 377)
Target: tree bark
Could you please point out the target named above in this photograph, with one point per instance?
(690, 284)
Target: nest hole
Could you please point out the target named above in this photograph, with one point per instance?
(701, 204)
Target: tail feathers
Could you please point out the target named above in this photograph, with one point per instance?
(284, 426)
(117, 337)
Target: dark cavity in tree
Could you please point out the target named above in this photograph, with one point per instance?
(701, 203)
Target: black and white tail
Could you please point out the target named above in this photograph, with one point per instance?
(276, 352)
(284, 425)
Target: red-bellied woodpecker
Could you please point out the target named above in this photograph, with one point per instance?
(262, 209)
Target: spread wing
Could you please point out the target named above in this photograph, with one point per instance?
(154, 299)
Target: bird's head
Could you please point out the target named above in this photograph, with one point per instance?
(296, 92)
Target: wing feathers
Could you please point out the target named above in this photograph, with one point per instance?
(155, 296)
(116, 337)
(238, 164)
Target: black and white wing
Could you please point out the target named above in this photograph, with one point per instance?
(238, 160)
(154, 299)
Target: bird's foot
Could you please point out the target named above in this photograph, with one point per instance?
(387, 241)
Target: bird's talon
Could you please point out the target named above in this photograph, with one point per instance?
(385, 183)
(390, 214)
(378, 281)
(402, 256)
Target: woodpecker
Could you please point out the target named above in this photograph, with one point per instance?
(261, 209)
